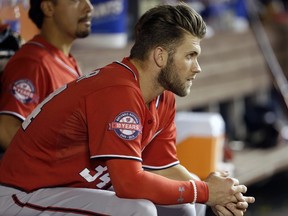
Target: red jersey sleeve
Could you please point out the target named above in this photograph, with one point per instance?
(35, 71)
(115, 122)
(24, 84)
(142, 185)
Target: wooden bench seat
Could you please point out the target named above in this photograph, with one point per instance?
(253, 165)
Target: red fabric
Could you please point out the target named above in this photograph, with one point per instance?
(32, 74)
(130, 181)
(161, 151)
(202, 192)
(67, 140)
(3, 27)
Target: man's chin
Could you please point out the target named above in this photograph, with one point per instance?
(83, 34)
(183, 94)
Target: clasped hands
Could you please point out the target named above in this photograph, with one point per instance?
(226, 195)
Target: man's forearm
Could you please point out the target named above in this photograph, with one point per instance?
(177, 172)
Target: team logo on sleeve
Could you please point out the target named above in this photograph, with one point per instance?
(24, 91)
(126, 125)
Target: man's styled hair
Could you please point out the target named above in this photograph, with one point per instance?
(165, 25)
(35, 12)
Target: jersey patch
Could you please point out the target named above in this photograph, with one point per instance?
(24, 91)
(126, 125)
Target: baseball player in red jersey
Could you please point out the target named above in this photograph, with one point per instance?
(44, 63)
(115, 127)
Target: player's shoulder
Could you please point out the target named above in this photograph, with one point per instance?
(119, 74)
(23, 60)
(28, 53)
(111, 78)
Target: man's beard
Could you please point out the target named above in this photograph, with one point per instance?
(83, 34)
(170, 80)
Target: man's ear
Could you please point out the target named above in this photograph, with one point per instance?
(47, 8)
(160, 56)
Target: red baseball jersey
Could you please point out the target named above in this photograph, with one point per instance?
(36, 70)
(67, 138)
